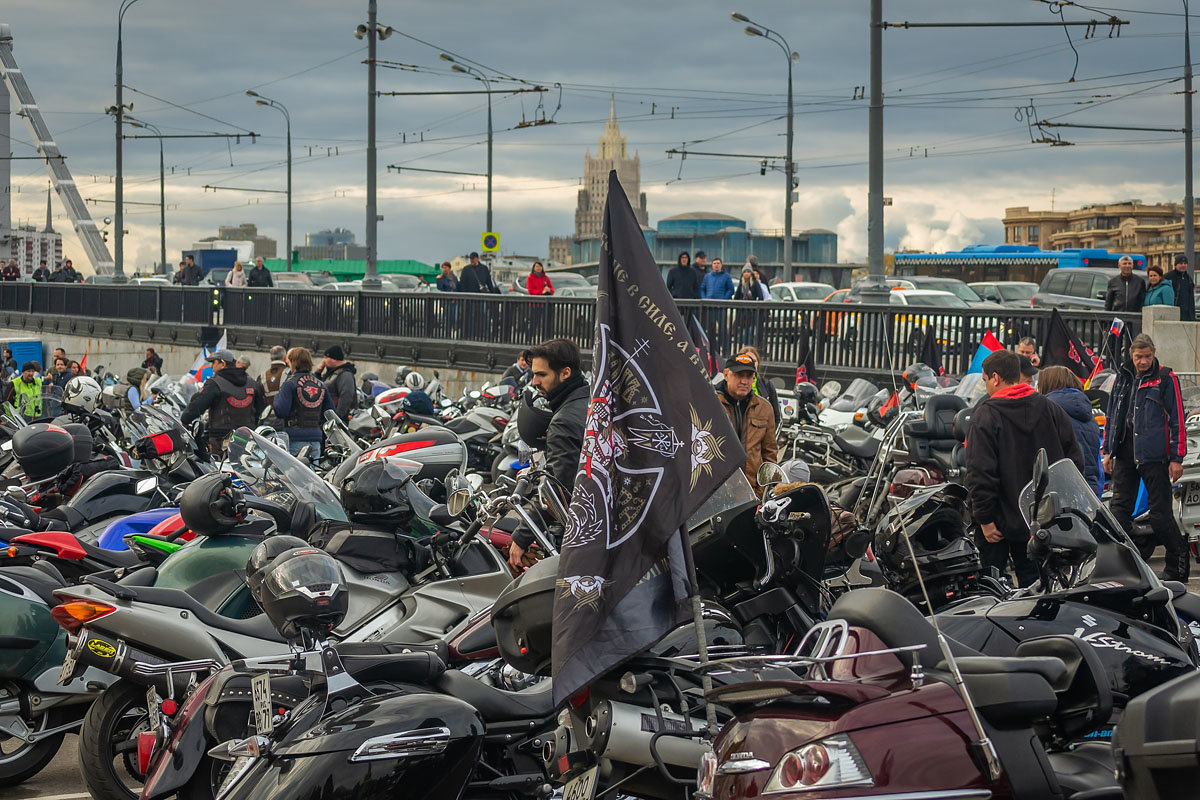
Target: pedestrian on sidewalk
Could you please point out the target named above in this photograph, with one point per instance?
(1145, 439)
(260, 276)
(1160, 292)
(1126, 291)
(1007, 430)
(1185, 290)
(237, 276)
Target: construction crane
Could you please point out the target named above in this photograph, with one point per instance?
(85, 228)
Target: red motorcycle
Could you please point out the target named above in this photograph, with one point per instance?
(877, 705)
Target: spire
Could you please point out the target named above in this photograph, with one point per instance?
(49, 191)
(612, 110)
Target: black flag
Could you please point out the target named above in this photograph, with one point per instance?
(931, 353)
(701, 343)
(806, 367)
(1063, 348)
(656, 445)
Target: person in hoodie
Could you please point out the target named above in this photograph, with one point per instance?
(1063, 388)
(1007, 430)
(683, 280)
(231, 397)
(338, 374)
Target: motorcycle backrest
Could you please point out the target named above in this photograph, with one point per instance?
(1085, 700)
(896, 622)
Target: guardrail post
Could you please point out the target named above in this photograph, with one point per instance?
(358, 315)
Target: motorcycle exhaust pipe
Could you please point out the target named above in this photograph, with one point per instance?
(117, 657)
(556, 745)
(622, 732)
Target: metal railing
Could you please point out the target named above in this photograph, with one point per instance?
(846, 339)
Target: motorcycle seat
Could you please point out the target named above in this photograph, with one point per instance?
(37, 580)
(422, 667)
(859, 447)
(112, 558)
(257, 627)
(438, 648)
(497, 705)
(421, 419)
(1050, 668)
(1089, 766)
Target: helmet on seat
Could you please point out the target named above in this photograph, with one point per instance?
(212, 505)
(533, 421)
(303, 593)
(375, 491)
(414, 381)
(82, 395)
(262, 555)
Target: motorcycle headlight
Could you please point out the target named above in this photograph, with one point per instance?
(830, 763)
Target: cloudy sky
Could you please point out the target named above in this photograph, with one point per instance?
(958, 150)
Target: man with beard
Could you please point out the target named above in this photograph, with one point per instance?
(557, 376)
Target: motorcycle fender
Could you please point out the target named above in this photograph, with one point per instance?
(335, 754)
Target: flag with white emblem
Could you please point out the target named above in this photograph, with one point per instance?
(657, 443)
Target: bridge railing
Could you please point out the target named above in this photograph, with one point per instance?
(846, 339)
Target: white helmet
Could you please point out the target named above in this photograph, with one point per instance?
(81, 394)
(414, 381)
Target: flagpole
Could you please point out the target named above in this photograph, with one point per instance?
(689, 565)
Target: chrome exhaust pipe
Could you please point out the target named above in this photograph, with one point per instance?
(623, 732)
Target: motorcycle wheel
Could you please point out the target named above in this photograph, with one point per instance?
(108, 742)
(20, 761)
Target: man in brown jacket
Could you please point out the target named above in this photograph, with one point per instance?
(751, 415)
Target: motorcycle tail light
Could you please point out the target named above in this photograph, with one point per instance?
(75, 614)
(830, 763)
(706, 773)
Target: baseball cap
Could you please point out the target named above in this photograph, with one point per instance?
(223, 355)
(742, 362)
(473, 255)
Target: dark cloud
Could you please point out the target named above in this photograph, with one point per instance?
(956, 155)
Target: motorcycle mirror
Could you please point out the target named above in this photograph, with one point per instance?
(16, 492)
(1041, 463)
(524, 452)
(457, 502)
(830, 390)
(769, 474)
(551, 499)
(305, 453)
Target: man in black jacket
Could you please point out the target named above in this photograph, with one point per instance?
(191, 274)
(260, 276)
(476, 277)
(683, 280)
(1126, 291)
(338, 374)
(60, 275)
(1185, 290)
(231, 397)
(41, 274)
(1145, 439)
(1006, 432)
(558, 377)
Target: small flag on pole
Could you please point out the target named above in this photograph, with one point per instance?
(1118, 325)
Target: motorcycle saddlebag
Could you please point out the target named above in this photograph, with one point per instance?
(523, 616)
(364, 549)
(1157, 743)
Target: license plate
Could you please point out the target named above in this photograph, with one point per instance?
(260, 689)
(68, 668)
(152, 707)
(581, 787)
(1191, 494)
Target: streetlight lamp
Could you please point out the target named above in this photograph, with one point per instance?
(372, 31)
(162, 191)
(278, 106)
(118, 114)
(469, 70)
(755, 29)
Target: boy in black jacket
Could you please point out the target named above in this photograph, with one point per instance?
(1006, 432)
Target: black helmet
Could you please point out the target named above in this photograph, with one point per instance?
(806, 392)
(211, 504)
(43, 450)
(934, 521)
(532, 421)
(920, 373)
(375, 490)
(262, 555)
(302, 591)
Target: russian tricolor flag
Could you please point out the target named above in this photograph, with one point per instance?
(201, 369)
(989, 345)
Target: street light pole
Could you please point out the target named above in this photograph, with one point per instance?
(755, 29)
(1189, 202)
(162, 190)
(875, 285)
(278, 106)
(474, 73)
(118, 114)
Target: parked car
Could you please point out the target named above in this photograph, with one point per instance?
(385, 285)
(215, 277)
(1011, 294)
(153, 281)
(952, 285)
(855, 294)
(320, 277)
(909, 330)
(1074, 287)
(291, 280)
(577, 291)
(103, 280)
(800, 291)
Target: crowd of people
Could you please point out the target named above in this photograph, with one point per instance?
(1130, 292)
(63, 272)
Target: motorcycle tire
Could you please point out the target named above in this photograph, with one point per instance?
(108, 742)
(22, 762)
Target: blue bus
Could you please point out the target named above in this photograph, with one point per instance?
(1006, 262)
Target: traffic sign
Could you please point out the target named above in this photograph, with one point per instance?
(489, 242)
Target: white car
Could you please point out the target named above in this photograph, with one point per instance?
(801, 291)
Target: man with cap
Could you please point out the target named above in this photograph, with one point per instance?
(231, 397)
(750, 414)
(476, 277)
(1185, 290)
(338, 374)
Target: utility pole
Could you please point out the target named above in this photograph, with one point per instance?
(373, 33)
(278, 106)
(1189, 202)
(875, 289)
(118, 115)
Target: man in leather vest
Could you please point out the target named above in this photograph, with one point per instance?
(231, 398)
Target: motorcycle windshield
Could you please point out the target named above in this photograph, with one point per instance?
(44, 405)
(274, 474)
(148, 421)
(971, 388)
(855, 396)
(733, 493)
(1074, 493)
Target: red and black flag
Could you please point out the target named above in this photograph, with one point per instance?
(656, 444)
(931, 352)
(806, 365)
(700, 342)
(1063, 348)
